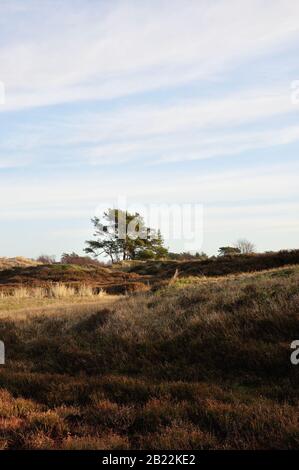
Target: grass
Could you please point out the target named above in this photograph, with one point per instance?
(21, 298)
(33, 307)
(203, 365)
(55, 291)
(183, 281)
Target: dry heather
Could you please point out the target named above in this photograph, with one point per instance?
(72, 276)
(216, 266)
(203, 366)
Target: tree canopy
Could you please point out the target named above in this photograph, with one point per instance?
(122, 236)
(228, 250)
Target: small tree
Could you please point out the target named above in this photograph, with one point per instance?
(245, 246)
(228, 250)
(121, 236)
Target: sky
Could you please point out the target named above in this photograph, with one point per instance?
(186, 102)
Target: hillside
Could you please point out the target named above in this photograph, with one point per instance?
(72, 275)
(217, 266)
(137, 276)
(203, 366)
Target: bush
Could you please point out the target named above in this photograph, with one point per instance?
(73, 258)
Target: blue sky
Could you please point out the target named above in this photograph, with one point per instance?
(158, 101)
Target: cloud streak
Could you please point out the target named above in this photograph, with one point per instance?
(90, 50)
(188, 130)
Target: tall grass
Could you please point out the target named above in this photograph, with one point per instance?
(55, 291)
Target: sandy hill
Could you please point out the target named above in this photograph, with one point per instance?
(19, 261)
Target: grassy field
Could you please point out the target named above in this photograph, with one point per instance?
(200, 364)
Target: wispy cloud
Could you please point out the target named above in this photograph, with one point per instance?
(188, 130)
(71, 51)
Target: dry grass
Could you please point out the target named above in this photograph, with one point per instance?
(55, 291)
(22, 309)
(19, 261)
(183, 281)
(202, 366)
